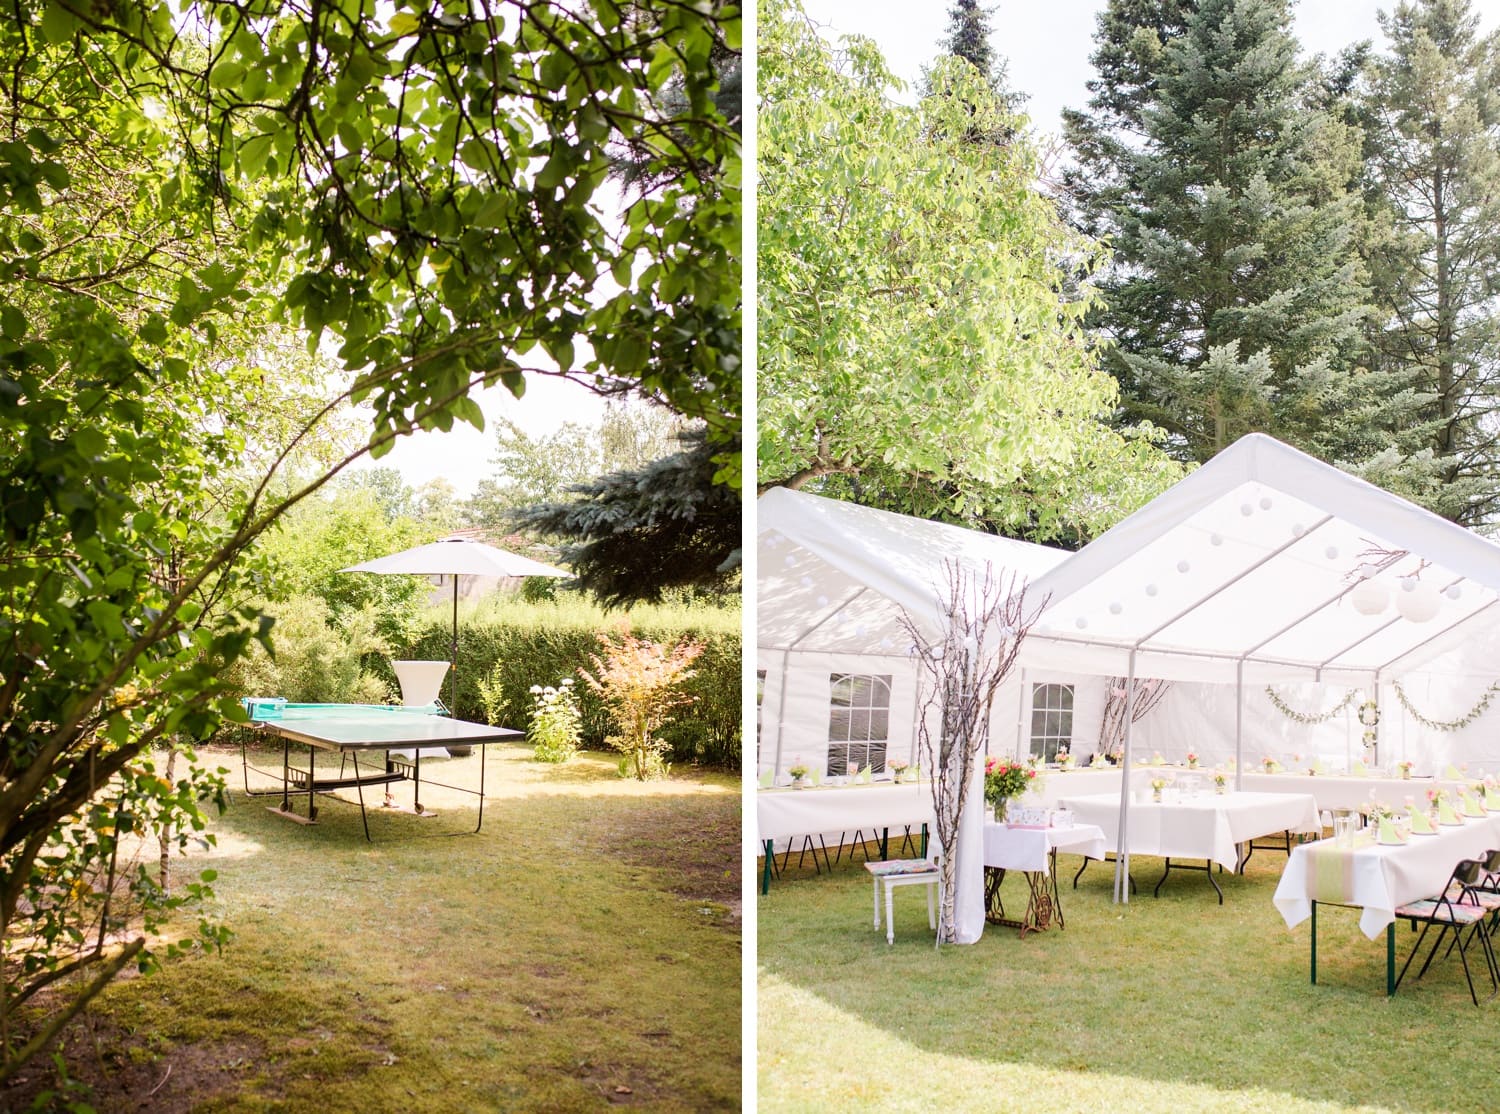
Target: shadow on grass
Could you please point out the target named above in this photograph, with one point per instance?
(1169, 1002)
(538, 965)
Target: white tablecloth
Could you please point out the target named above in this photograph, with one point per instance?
(1345, 791)
(1207, 827)
(1378, 878)
(1027, 848)
(781, 813)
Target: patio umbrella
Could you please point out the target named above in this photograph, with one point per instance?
(457, 557)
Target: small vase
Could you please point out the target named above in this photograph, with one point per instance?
(1156, 795)
(799, 783)
(1405, 774)
(1002, 807)
(1219, 789)
(1192, 763)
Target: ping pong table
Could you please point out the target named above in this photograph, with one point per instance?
(352, 729)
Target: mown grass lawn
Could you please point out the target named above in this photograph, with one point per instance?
(1173, 1003)
(582, 951)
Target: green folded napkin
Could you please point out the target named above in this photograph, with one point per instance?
(1360, 769)
(864, 776)
(767, 778)
(1453, 773)
(1446, 815)
(1471, 805)
(815, 776)
(1317, 766)
(1420, 821)
(1491, 799)
(1387, 833)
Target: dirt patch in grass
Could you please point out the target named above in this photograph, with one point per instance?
(122, 1074)
(539, 965)
(698, 846)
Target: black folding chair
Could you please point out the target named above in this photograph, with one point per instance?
(1454, 909)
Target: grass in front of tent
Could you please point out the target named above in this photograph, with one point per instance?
(1170, 1003)
(582, 950)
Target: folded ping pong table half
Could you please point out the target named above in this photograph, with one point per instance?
(349, 730)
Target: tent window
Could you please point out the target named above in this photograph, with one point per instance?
(1051, 719)
(859, 720)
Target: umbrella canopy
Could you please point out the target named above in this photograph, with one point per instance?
(457, 557)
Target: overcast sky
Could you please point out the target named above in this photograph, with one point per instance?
(1046, 43)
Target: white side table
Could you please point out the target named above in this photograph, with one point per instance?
(905, 872)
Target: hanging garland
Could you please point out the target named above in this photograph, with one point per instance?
(1452, 724)
(1369, 715)
(1310, 717)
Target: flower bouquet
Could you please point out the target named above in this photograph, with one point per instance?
(1192, 759)
(898, 770)
(1270, 765)
(1158, 783)
(1004, 779)
(1405, 768)
(1221, 781)
(799, 775)
(1064, 758)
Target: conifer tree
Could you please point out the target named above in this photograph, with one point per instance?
(1237, 299)
(1435, 161)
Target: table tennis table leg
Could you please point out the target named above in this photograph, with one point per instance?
(360, 789)
(481, 789)
(312, 803)
(416, 781)
(286, 775)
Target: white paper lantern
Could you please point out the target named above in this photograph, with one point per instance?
(1081, 623)
(1453, 591)
(1332, 553)
(1370, 597)
(1151, 589)
(1265, 502)
(1419, 603)
(822, 601)
(1246, 509)
(1116, 607)
(1216, 539)
(789, 561)
(806, 582)
(1183, 566)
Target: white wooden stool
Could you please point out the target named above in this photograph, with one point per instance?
(905, 872)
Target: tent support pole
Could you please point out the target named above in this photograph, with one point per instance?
(781, 712)
(1239, 725)
(1122, 855)
(1020, 717)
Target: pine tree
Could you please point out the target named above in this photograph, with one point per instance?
(969, 38)
(1237, 299)
(1435, 143)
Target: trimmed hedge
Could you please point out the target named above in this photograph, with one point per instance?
(541, 646)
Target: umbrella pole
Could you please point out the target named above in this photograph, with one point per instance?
(453, 653)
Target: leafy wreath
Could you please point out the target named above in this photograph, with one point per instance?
(1310, 717)
(1369, 713)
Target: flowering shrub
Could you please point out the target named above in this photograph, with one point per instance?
(1004, 779)
(556, 726)
(640, 680)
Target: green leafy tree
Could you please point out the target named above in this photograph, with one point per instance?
(1434, 121)
(546, 469)
(916, 327)
(1237, 299)
(174, 177)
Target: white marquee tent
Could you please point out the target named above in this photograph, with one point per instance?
(1264, 565)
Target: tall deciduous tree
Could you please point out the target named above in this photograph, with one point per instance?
(914, 320)
(1435, 146)
(419, 183)
(1237, 299)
